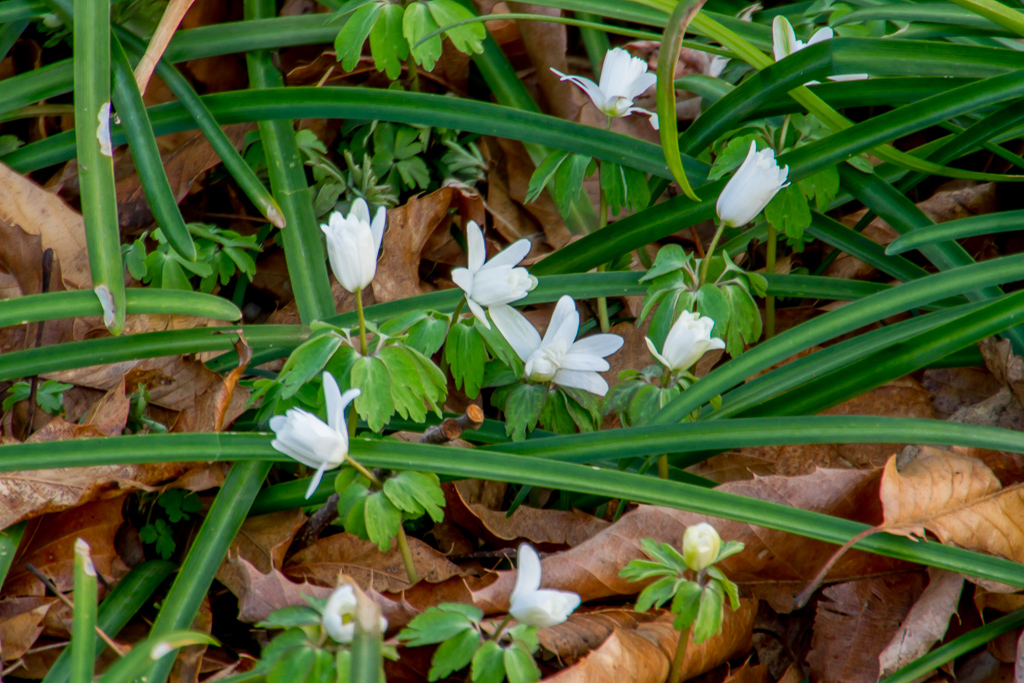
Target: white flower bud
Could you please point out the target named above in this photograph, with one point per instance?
(339, 615)
(751, 188)
(701, 544)
(688, 340)
(353, 243)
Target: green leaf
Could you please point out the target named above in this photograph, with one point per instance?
(416, 493)
(291, 616)
(544, 173)
(427, 335)
(788, 212)
(554, 416)
(520, 666)
(387, 44)
(656, 594)
(454, 654)
(745, 320)
(822, 187)
(488, 664)
(732, 155)
(710, 613)
(417, 24)
(584, 407)
(712, 303)
(569, 180)
(522, 409)
(382, 520)
(348, 46)
(374, 404)
(352, 509)
(435, 625)
(407, 390)
(307, 361)
(468, 38)
(686, 603)
(464, 351)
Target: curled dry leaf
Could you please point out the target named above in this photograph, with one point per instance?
(644, 654)
(264, 540)
(346, 554)
(926, 623)
(958, 499)
(260, 594)
(556, 527)
(21, 622)
(855, 621)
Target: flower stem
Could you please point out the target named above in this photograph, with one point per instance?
(785, 131)
(362, 322)
(663, 466)
(676, 674)
(403, 547)
(602, 221)
(501, 627)
(711, 251)
(769, 301)
(365, 472)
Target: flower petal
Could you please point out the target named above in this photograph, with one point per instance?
(360, 211)
(564, 325)
(335, 409)
(517, 330)
(478, 313)
(510, 255)
(654, 352)
(377, 227)
(783, 38)
(641, 110)
(315, 481)
(464, 279)
(639, 86)
(527, 572)
(574, 360)
(588, 86)
(582, 379)
(820, 35)
(598, 345)
(476, 246)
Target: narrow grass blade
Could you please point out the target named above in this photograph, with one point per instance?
(988, 224)
(83, 622)
(996, 12)
(95, 164)
(133, 666)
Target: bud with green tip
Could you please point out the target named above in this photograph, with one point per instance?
(701, 544)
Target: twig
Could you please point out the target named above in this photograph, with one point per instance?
(49, 583)
(314, 526)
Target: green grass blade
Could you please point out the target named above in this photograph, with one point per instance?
(996, 12)
(12, 11)
(96, 169)
(56, 305)
(83, 622)
(137, 129)
(988, 224)
(204, 558)
(853, 243)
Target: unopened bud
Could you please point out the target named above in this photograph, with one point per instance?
(701, 544)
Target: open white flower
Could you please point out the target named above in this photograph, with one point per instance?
(751, 188)
(494, 282)
(303, 436)
(529, 604)
(339, 615)
(701, 544)
(687, 340)
(352, 244)
(558, 357)
(623, 79)
(785, 43)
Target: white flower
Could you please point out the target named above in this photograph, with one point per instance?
(701, 544)
(558, 357)
(623, 79)
(339, 615)
(495, 282)
(303, 436)
(103, 130)
(535, 607)
(352, 244)
(751, 188)
(785, 43)
(687, 340)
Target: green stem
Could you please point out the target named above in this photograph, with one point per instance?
(710, 252)
(676, 675)
(501, 627)
(784, 132)
(769, 302)
(602, 221)
(663, 467)
(413, 73)
(362, 323)
(410, 566)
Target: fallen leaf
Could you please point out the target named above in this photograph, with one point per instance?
(644, 654)
(327, 558)
(260, 594)
(926, 623)
(956, 498)
(49, 541)
(188, 664)
(749, 673)
(854, 622)
(109, 414)
(264, 540)
(21, 622)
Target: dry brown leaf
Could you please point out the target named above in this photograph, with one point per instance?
(226, 393)
(956, 498)
(555, 527)
(749, 673)
(774, 565)
(48, 544)
(260, 594)
(21, 622)
(264, 540)
(926, 623)
(28, 209)
(344, 553)
(644, 654)
(109, 414)
(32, 493)
(853, 623)
(408, 240)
